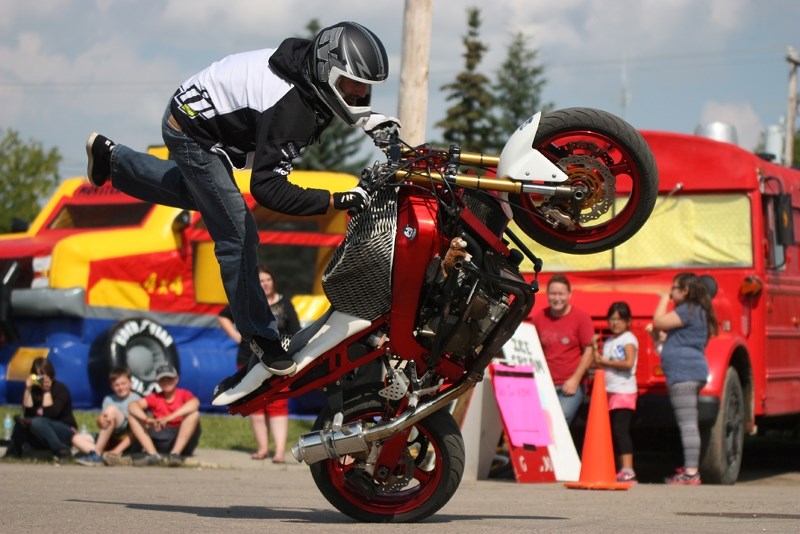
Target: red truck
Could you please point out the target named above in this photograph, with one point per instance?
(729, 214)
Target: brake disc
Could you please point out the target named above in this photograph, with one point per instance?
(402, 475)
(596, 179)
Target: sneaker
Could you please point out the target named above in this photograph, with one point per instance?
(249, 381)
(682, 478)
(147, 460)
(625, 475)
(114, 458)
(273, 356)
(90, 460)
(98, 149)
(174, 459)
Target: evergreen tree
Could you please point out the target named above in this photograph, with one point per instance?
(470, 122)
(518, 88)
(339, 144)
(796, 150)
(27, 174)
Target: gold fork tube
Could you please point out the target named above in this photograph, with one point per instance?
(477, 182)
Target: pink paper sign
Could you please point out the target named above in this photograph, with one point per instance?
(519, 404)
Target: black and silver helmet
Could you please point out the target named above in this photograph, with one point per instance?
(347, 51)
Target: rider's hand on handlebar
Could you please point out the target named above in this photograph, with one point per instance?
(354, 201)
(382, 128)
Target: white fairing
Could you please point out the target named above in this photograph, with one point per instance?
(336, 329)
(519, 161)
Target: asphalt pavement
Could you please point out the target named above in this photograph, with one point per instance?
(223, 490)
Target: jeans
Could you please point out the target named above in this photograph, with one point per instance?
(55, 435)
(196, 179)
(570, 403)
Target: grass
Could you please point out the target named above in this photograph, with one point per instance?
(220, 431)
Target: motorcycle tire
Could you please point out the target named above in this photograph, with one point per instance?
(596, 149)
(435, 447)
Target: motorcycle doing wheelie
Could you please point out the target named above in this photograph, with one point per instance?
(426, 289)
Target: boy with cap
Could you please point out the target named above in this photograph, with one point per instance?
(172, 426)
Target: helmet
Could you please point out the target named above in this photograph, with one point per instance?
(345, 61)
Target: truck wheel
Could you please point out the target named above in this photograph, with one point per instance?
(142, 345)
(724, 440)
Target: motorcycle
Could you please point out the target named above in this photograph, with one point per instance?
(426, 289)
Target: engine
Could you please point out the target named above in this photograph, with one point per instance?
(459, 311)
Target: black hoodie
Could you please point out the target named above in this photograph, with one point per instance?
(237, 107)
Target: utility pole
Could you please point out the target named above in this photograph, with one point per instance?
(414, 70)
(794, 60)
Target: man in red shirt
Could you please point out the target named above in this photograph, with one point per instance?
(566, 334)
(166, 422)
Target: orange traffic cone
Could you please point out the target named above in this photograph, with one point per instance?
(597, 467)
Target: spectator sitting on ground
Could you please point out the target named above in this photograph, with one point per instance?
(172, 427)
(113, 421)
(48, 422)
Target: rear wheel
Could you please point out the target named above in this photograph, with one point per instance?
(611, 167)
(424, 479)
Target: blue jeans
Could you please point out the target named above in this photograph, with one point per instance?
(570, 403)
(55, 435)
(196, 179)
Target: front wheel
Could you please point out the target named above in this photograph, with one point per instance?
(723, 442)
(611, 170)
(425, 477)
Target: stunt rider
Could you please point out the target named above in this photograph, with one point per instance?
(255, 109)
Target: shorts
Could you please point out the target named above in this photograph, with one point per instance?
(164, 439)
(276, 408)
(122, 429)
(622, 401)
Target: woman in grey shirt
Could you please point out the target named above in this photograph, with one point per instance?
(688, 326)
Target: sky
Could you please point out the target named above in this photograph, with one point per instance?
(70, 67)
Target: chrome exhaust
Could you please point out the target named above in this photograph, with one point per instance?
(354, 438)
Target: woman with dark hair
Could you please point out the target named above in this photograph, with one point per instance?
(274, 416)
(48, 422)
(688, 327)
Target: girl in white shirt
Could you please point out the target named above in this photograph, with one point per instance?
(619, 362)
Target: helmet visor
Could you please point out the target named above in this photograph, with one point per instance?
(354, 94)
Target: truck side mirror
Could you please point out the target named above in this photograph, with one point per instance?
(784, 224)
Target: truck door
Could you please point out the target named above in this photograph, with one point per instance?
(782, 351)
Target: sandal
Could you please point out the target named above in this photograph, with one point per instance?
(259, 456)
(276, 461)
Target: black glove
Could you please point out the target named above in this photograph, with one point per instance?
(354, 201)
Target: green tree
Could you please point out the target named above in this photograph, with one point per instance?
(338, 146)
(27, 175)
(518, 89)
(796, 150)
(469, 121)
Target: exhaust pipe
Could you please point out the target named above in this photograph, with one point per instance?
(354, 438)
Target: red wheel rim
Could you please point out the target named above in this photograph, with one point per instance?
(610, 155)
(424, 481)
